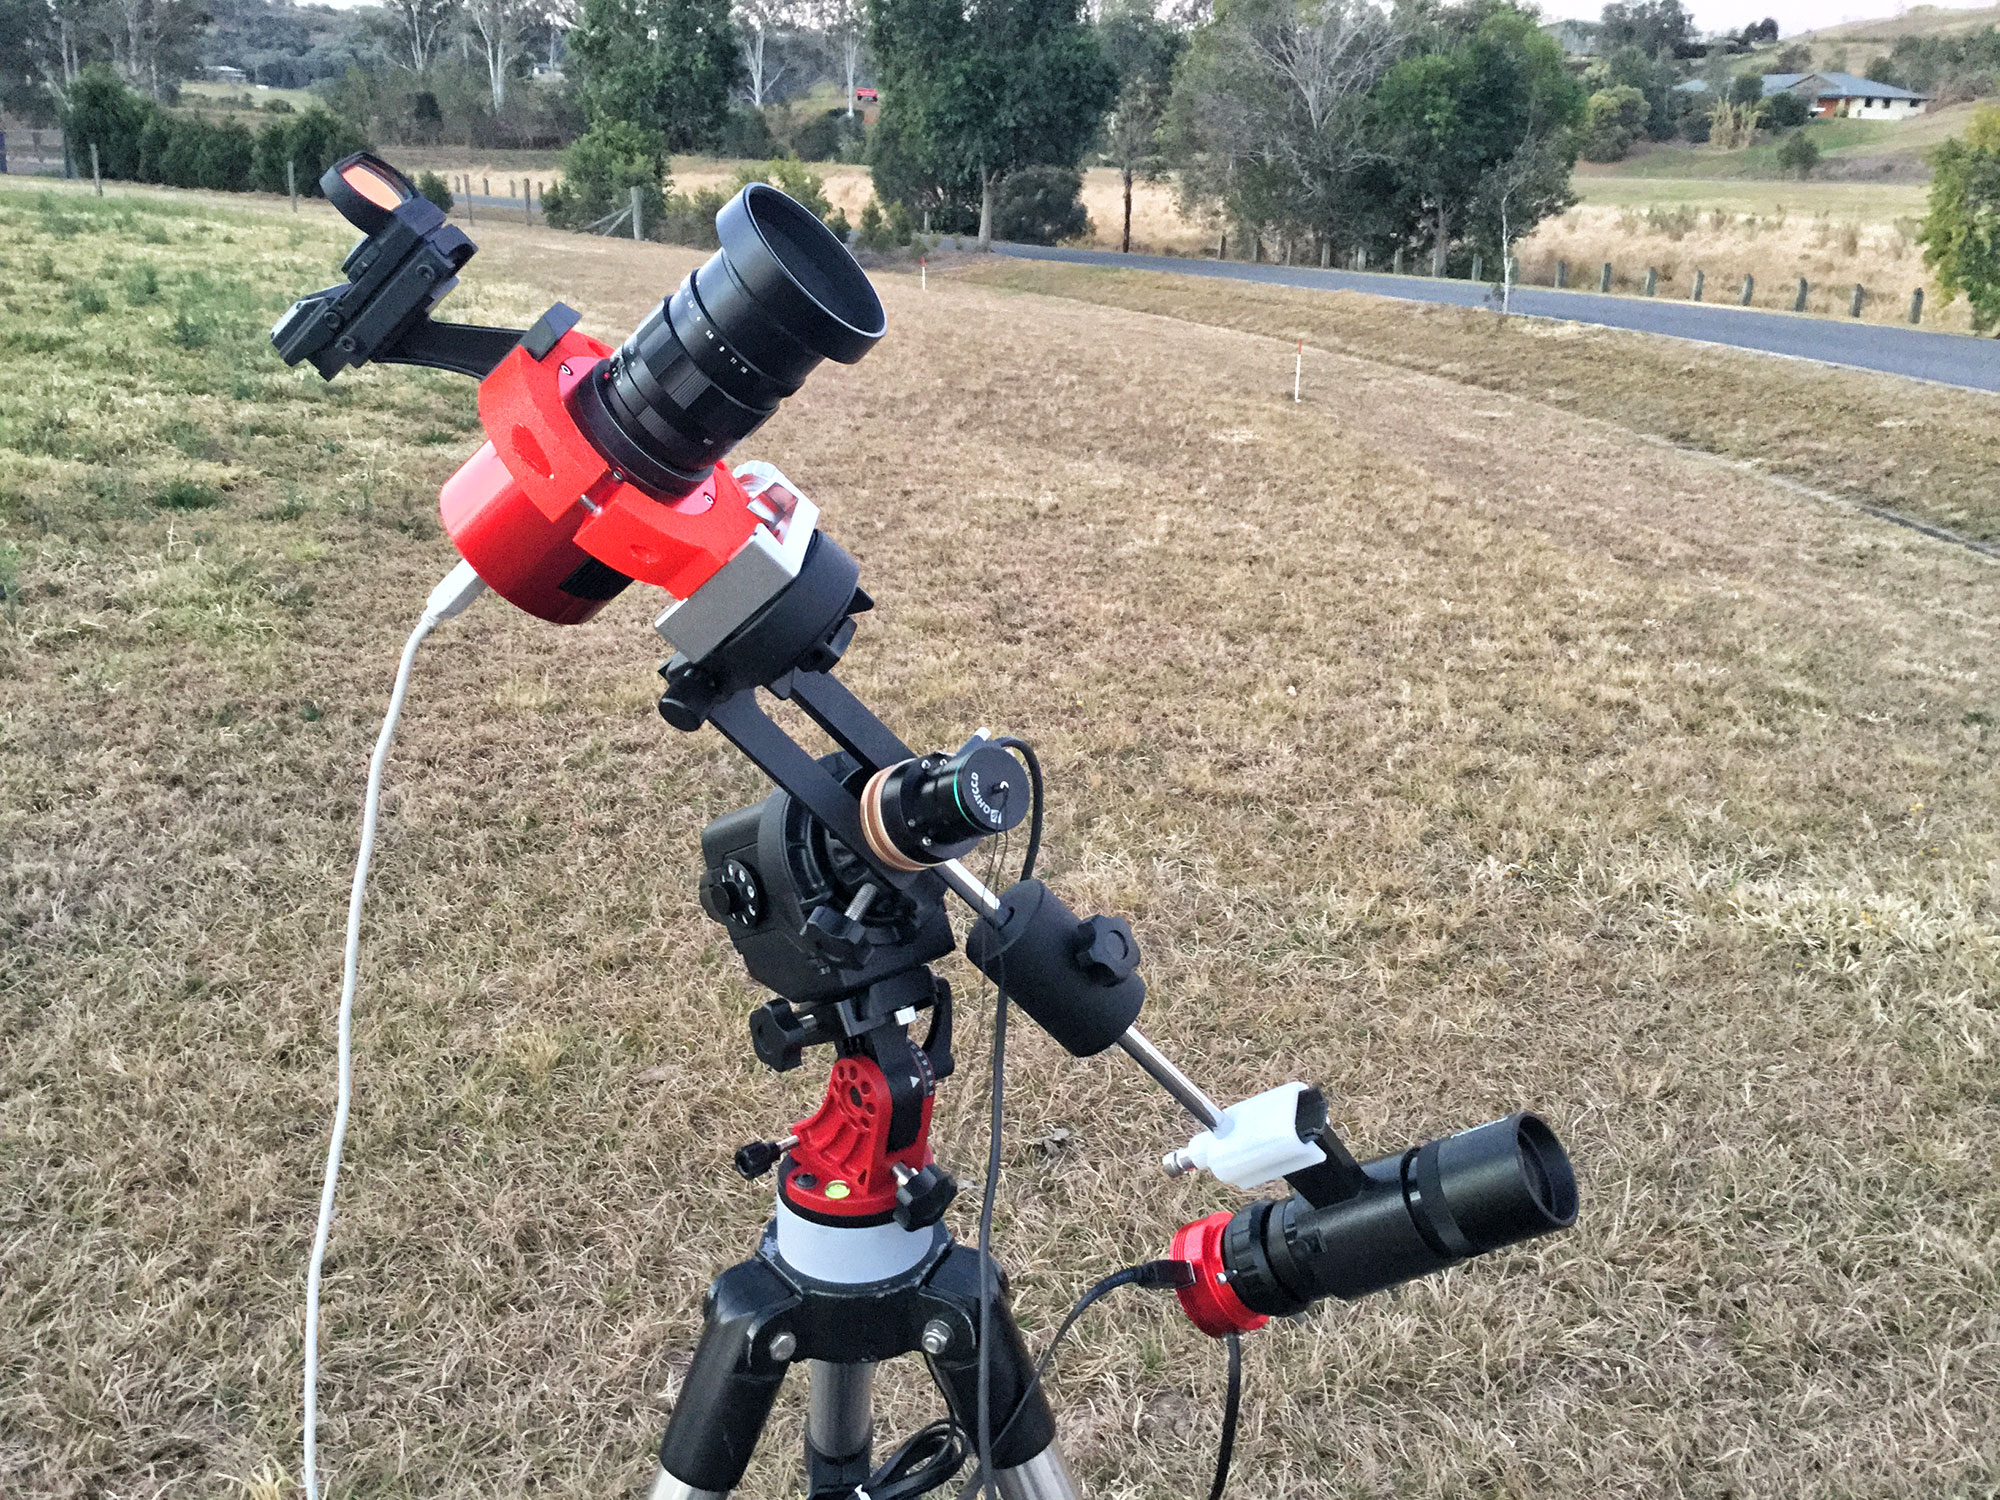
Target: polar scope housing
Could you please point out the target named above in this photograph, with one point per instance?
(741, 333)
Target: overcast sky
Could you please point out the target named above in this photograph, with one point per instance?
(1793, 16)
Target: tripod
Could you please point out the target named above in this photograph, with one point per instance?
(842, 1293)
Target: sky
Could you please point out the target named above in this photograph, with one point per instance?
(1793, 16)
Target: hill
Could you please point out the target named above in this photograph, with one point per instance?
(1921, 20)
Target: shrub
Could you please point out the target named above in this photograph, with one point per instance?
(884, 231)
(1800, 153)
(1961, 233)
(279, 107)
(142, 284)
(1787, 111)
(837, 222)
(103, 111)
(1696, 128)
(794, 179)
(601, 168)
(1612, 119)
(832, 136)
(435, 188)
(312, 141)
(1041, 206)
(690, 218)
(746, 133)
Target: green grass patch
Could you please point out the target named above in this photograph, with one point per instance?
(186, 494)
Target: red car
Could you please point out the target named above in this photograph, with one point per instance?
(872, 96)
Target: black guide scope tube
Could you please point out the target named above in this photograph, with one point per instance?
(1421, 1210)
(711, 362)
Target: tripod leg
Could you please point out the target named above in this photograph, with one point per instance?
(738, 1366)
(839, 1423)
(1027, 1464)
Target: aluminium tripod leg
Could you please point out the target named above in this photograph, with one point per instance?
(840, 1421)
(1027, 1463)
(746, 1346)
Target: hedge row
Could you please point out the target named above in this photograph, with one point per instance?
(138, 141)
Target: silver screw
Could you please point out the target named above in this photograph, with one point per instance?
(937, 1336)
(1178, 1163)
(783, 1345)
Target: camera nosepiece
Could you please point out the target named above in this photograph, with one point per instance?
(741, 333)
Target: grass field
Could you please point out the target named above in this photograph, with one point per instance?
(1450, 738)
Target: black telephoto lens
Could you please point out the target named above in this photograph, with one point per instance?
(711, 362)
(1422, 1210)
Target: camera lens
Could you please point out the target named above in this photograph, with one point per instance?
(712, 362)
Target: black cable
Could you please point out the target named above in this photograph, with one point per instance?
(1027, 753)
(1232, 1406)
(984, 1433)
(925, 1461)
(985, 1414)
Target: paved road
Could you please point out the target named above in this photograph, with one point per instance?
(1949, 358)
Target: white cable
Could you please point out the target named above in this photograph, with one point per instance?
(454, 592)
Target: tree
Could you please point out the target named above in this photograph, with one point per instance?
(499, 24)
(1961, 233)
(424, 27)
(1270, 116)
(1799, 153)
(758, 20)
(844, 24)
(1655, 27)
(1796, 58)
(1521, 191)
(1614, 117)
(1449, 118)
(1141, 50)
(1786, 109)
(667, 66)
(984, 88)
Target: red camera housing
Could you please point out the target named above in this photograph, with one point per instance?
(551, 525)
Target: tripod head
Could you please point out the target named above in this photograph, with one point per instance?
(602, 467)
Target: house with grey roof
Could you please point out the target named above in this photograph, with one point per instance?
(1837, 95)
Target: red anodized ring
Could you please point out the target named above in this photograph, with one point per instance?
(1210, 1303)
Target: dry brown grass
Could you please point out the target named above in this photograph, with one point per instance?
(1444, 745)
(1778, 248)
(1926, 452)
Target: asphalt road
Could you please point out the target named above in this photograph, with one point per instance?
(1948, 358)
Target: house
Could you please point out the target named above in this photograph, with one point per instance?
(1837, 95)
(226, 74)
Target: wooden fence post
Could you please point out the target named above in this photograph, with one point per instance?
(1917, 305)
(1854, 303)
(1478, 266)
(1652, 280)
(1700, 281)
(1799, 302)
(1325, 254)
(1562, 274)
(1604, 278)
(292, 183)
(1749, 291)
(638, 229)
(527, 200)
(1396, 265)
(96, 175)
